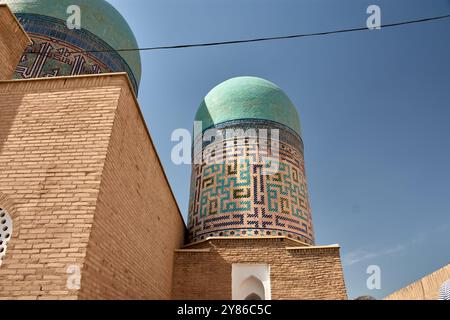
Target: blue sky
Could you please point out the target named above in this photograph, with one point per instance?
(374, 106)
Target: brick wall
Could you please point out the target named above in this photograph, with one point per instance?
(53, 140)
(426, 288)
(204, 271)
(55, 137)
(13, 41)
(137, 224)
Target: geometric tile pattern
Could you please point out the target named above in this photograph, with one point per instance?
(59, 51)
(235, 197)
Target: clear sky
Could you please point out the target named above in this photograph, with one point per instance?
(374, 106)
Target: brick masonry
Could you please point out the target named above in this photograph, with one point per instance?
(137, 224)
(426, 288)
(203, 271)
(13, 41)
(75, 159)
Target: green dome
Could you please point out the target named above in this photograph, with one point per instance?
(247, 98)
(97, 17)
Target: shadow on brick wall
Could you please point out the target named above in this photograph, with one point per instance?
(8, 112)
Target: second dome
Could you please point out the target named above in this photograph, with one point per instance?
(248, 98)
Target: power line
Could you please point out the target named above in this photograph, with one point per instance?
(294, 36)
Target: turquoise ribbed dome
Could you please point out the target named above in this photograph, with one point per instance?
(247, 98)
(97, 16)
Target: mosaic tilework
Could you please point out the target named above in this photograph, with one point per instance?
(287, 135)
(56, 51)
(236, 198)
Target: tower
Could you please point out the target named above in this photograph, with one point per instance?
(250, 228)
(251, 182)
(57, 50)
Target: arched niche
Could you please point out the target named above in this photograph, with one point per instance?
(251, 282)
(251, 287)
